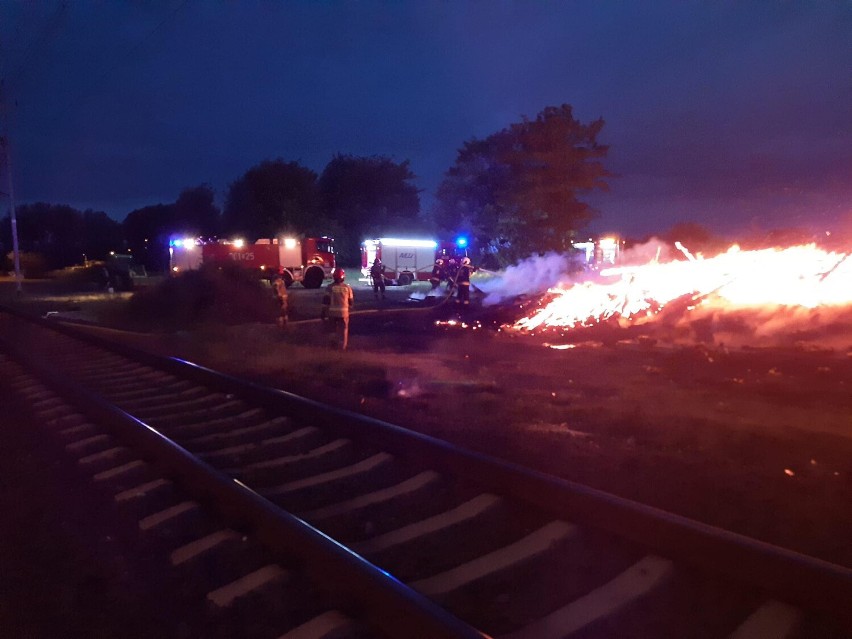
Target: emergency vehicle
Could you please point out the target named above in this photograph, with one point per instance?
(309, 260)
(453, 250)
(405, 260)
(599, 253)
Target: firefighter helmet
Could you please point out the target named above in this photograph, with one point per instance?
(465, 261)
(339, 274)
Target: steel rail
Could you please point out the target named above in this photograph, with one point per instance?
(393, 607)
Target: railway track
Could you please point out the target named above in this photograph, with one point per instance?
(475, 546)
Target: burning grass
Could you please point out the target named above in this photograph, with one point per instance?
(771, 297)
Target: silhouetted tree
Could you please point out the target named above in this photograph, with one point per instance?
(147, 232)
(273, 197)
(368, 196)
(63, 234)
(101, 235)
(516, 191)
(195, 214)
(469, 200)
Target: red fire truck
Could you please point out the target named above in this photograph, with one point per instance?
(309, 260)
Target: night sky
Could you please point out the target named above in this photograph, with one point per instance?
(737, 115)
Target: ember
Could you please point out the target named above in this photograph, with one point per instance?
(800, 276)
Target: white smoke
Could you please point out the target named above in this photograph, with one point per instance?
(654, 250)
(531, 276)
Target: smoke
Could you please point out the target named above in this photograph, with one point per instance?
(654, 250)
(531, 276)
(535, 274)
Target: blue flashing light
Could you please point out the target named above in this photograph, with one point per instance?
(461, 241)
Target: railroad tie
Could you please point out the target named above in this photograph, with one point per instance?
(638, 580)
(159, 518)
(364, 466)
(530, 546)
(773, 620)
(198, 547)
(212, 438)
(270, 442)
(112, 473)
(289, 460)
(407, 487)
(464, 512)
(81, 444)
(227, 594)
(80, 429)
(109, 453)
(321, 626)
(141, 491)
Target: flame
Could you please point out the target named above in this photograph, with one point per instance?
(800, 276)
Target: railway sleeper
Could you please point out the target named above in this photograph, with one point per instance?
(244, 446)
(268, 428)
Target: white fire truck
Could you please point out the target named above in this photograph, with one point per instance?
(599, 253)
(309, 260)
(405, 260)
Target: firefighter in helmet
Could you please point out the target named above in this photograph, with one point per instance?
(337, 304)
(439, 274)
(462, 281)
(452, 266)
(279, 289)
(377, 274)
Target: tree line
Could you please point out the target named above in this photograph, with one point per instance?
(514, 193)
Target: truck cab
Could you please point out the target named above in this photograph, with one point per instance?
(308, 260)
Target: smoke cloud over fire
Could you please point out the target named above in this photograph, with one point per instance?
(531, 276)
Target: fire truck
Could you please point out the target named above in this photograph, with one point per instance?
(309, 260)
(599, 253)
(405, 260)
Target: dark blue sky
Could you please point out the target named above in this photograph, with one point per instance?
(737, 115)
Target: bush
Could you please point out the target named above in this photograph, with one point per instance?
(33, 265)
(210, 295)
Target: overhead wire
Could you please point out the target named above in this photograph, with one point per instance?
(47, 31)
(94, 80)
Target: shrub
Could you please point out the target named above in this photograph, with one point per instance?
(210, 295)
(33, 265)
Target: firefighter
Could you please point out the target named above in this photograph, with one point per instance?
(377, 274)
(279, 289)
(452, 271)
(463, 281)
(337, 304)
(438, 274)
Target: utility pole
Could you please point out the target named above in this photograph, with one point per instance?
(4, 141)
(17, 256)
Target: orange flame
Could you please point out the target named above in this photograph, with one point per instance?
(800, 276)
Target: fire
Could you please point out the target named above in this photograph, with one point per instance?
(800, 276)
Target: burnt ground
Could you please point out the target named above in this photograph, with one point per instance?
(755, 439)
